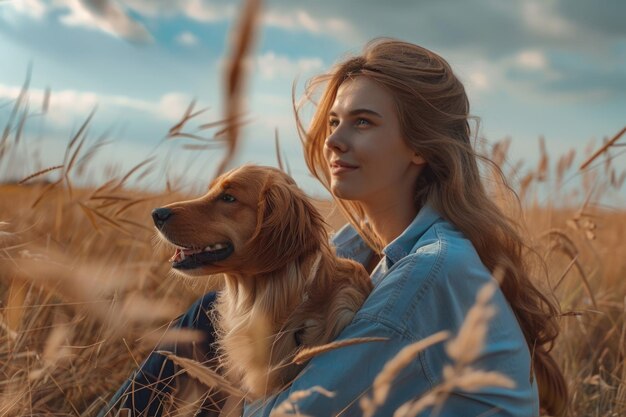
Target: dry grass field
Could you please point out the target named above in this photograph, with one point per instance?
(85, 294)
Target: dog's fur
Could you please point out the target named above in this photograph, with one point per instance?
(284, 286)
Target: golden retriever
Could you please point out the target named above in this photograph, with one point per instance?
(284, 289)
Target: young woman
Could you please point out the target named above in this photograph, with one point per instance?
(390, 139)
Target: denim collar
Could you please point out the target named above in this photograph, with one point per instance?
(402, 245)
(352, 245)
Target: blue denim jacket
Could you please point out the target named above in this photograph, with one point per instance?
(426, 282)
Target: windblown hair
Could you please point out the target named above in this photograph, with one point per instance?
(433, 110)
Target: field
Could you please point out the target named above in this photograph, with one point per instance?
(85, 293)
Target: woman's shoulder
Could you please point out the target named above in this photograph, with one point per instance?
(346, 234)
(349, 244)
(441, 272)
(433, 288)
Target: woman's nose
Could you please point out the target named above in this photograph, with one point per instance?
(336, 142)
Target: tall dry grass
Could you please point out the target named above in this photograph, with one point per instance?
(85, 295)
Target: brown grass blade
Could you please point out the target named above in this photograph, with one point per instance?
(235, 76)
(110, 197)
(46, 190)
(566, 271)
(602, 149)
(222, 134)
(565, 244)
(542, 170)
(103, 187)
(41, 172)
(99, 143)
(106, 203)
(69, 165)
(90, 216)
(17, 105)
(78, 134)
(214, 124)
(288, 407)
(22, 123)
(308, 353)
(135, 202)
(188, 115)
(139, 225)
(15, 304)
(45, 105)
(108, 220)
(288, 167)
(277, 145)
(72, 160)
(204, 374)
(191, 136)
(174, 130)
(382, 383)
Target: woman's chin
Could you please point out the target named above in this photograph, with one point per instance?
(342, 192)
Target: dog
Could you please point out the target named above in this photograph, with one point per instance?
(284, 286)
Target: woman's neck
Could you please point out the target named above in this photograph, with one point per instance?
(391, 209)
(389, 219)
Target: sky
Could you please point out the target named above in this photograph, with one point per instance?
(551, 68)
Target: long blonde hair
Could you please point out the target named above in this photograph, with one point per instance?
(433, 111)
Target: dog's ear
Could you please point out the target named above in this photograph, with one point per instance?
(288, 226)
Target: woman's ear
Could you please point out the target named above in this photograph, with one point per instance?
(418, 159)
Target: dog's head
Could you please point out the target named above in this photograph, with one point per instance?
(253, 220)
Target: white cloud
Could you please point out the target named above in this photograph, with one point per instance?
(532, 59)
(64, 105)
(479, 81)
(33, 8)
(172, 106)
(540, 18)
(105, 15)
(214, 11)
(109, 17)
(272, 66)
(67, 105)
(207, 12)
(478, 75)
(199, 10)
(300, 20)
(187, 39)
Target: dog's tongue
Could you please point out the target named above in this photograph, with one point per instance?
(176, 255)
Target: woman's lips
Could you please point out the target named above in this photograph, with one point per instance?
(339, 169)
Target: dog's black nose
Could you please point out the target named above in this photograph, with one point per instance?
(160, 216)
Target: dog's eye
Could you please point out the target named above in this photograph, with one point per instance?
(228, 198)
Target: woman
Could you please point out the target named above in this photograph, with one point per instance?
(390, 139)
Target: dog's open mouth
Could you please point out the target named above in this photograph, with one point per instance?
(188, 258)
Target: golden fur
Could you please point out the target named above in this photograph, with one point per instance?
(285, 288)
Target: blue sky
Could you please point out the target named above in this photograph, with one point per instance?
(553, 68)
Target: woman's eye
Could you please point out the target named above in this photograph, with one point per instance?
(362, 122)
(333, 122)
(228, 198)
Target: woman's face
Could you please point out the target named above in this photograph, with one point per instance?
(365, 137)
